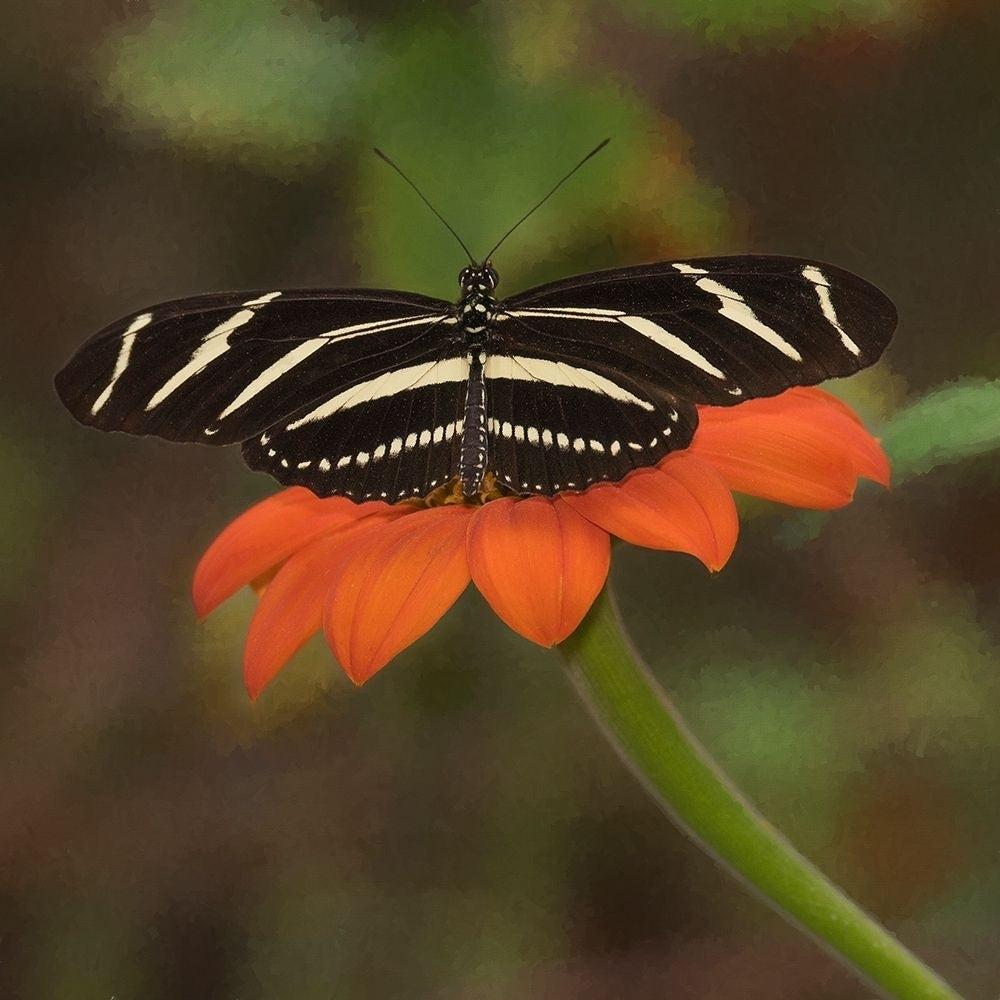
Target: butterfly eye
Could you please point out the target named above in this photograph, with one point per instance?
(466, 277)
(491, 276)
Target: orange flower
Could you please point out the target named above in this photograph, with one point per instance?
(375, 577)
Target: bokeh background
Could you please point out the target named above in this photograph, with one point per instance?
(458, 828)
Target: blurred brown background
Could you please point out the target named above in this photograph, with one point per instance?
(458, 828)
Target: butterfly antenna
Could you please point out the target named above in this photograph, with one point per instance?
(531, 211)
(382, 156)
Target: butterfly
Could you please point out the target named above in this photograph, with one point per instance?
(369, 393)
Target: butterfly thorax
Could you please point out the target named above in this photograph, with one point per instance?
(477, 306)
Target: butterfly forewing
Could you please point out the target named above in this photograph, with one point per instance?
(713, 331)
(221, 368)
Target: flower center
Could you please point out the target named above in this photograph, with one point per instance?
(451, 493)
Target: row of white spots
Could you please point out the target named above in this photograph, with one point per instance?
(520, 433)
(445, 433)
(509, 481)
(384, 494)
(578, 445)
(422, 439)
(546, 438)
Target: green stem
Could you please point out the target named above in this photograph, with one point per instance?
(655, 743)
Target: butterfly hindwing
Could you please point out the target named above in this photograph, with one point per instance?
(714, 331)
(556, 425)
(393, 436)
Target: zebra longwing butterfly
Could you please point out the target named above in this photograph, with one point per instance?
(381, 394)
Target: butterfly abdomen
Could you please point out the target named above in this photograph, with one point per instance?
(474, 453)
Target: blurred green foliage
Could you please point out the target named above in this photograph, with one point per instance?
(775, 22)
(944, 426)
(245, 79)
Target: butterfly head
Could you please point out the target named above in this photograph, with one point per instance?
(478, 280)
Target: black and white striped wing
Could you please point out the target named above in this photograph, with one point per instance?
(715, 331)
(391, 436)
(561, 425)
(600, 374)
(283, 371)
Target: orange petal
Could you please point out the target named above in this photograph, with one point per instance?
(804, 448)
(539, 564)
(392, 584)
(290, 609)
(266, 535)
(682, 505)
